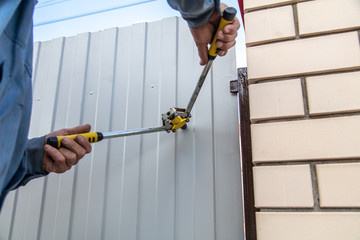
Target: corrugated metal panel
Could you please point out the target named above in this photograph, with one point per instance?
(156, 186)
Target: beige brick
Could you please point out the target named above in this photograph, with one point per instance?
(250, 5)
(283, 187)
(269, 25)
(334, 93)
(325, 16)
(298, 57)
(256, 4)
(276, 100)
(339, 184)
(328, 138)
(309, 226)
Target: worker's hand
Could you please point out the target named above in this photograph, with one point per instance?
(225, 38)
(62, 159)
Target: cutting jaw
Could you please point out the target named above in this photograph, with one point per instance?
(174, 119)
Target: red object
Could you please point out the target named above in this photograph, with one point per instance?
(241, 6)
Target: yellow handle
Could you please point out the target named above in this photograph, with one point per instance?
(92, 137)
(228, 17)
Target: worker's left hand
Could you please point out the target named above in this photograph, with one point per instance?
(62, 159)
(225, 38)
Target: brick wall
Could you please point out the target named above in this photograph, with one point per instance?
(304, 76)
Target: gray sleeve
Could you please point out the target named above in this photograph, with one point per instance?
(196, 13)
(31, 164)
(34, 157)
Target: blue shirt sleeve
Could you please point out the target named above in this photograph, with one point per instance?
(196, 13)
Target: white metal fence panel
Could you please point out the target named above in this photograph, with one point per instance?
(156, 186)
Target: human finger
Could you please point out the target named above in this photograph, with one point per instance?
(221, 53)
(78, 129)
(68, 131)
(55, 160)
(70, 157)
(232, 28)
(84, 143)
(224, 45)
(203, 53)
(75, 151)
(226, 37)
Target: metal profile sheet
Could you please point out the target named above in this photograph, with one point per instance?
(157, 186)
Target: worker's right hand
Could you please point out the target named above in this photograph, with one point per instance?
(62, 159)
(203, 35)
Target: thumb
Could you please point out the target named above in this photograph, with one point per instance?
(203, 53)
(78, 129)
(68, 131)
